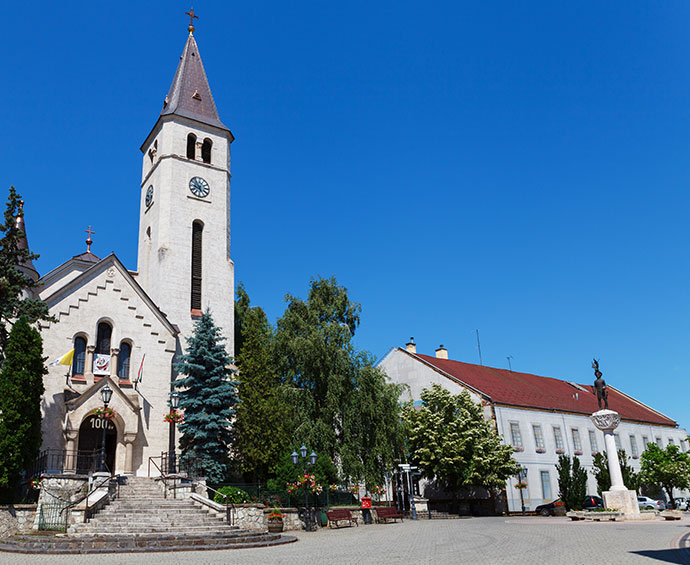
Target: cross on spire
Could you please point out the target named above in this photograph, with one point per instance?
(89, 241)
(191, 20)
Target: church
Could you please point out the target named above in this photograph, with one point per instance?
(128, 328)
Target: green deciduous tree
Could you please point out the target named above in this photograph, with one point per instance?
(329, 383)
(12, 280)
(21, 388)
(261, 427)
(669, 468)
(600, 471)
(450, 440)
(208, 399)
(572, 482)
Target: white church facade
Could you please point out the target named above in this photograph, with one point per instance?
(128, 328)
(541, 417)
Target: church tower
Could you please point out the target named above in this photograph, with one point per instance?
(184, 227)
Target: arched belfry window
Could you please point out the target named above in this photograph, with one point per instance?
(103, 338)
(206, 150)
(197, 235)
(79, 356)
(191, 146)
(123, 360)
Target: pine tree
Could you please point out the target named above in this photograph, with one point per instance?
(12, 280)
(208, 398)
(450, 441)
(262, 415)
(21, 388)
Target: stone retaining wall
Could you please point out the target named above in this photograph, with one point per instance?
(16, 518)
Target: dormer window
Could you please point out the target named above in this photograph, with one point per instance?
(206, 150)
(191, 146)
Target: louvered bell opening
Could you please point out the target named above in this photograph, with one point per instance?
(197, 233)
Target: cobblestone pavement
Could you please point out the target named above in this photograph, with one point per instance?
(476, 540)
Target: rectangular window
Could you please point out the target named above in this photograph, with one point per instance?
(538, 436)
(645, 441)
(557, 437)
(658, 442)
(633, 446)
(515, 434)
(593, 441)
(682, 445)
(619, 446)
(577, 444)
(546, 485)
(670, 441)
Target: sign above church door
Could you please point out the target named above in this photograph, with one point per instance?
(101, 364)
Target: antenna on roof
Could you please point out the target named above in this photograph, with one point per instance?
(479, 348)
(510, 367)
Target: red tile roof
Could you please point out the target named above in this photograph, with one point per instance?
(532, 391)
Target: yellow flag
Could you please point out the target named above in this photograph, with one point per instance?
(66, 359)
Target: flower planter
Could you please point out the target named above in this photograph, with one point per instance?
(541, 450)
(275, 525)
(559, 510)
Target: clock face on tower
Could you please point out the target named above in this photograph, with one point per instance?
(199, 187)
(149, 196)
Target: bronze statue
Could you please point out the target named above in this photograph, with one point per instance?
(600, 386)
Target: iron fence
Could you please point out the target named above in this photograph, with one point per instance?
(59, 461)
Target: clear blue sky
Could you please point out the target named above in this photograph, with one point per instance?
(520, 168)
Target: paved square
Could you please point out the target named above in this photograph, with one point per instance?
(475, 540)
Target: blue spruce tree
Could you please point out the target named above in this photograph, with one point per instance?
(208, 397)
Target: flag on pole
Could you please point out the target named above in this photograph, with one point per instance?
(140, 374)
(66, 359)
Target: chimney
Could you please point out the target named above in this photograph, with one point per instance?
(411, 346)
(441, 352)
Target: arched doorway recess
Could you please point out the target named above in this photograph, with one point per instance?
(90, 438)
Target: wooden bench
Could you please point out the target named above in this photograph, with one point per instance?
(342, 515)
(385, 513)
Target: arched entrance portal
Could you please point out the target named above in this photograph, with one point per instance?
(90, 437)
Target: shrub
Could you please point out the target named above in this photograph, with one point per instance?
(234, 495)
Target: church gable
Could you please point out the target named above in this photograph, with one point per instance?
(110, 290)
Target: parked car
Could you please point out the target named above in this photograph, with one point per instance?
(646, 502)
(588, 503)
(592, 502)
(682, 503)
(549, 509)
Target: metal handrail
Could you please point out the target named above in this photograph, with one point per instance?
(91, 491)
(165, 482)
(230, 516)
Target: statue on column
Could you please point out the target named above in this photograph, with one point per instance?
(600, 386)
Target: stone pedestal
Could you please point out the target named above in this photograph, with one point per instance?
(623, 500)
(619, 497)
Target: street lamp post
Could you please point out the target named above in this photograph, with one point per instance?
(304, 462)
(106, 395)
(174, 403)
(522, 475)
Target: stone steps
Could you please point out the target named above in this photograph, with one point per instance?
(136, 544)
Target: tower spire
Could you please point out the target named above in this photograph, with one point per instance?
(190, 94)
(26, 265)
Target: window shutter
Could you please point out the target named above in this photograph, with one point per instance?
(197, 231)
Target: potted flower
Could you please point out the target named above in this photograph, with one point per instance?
(174, 416)
(36, 483)
(559, 508)
(275, 521)
(521, 485)
(107, 413)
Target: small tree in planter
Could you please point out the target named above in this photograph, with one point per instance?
(572, 482)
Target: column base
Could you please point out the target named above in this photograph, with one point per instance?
(623, 500)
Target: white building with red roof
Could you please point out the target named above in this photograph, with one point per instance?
(542, 417)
